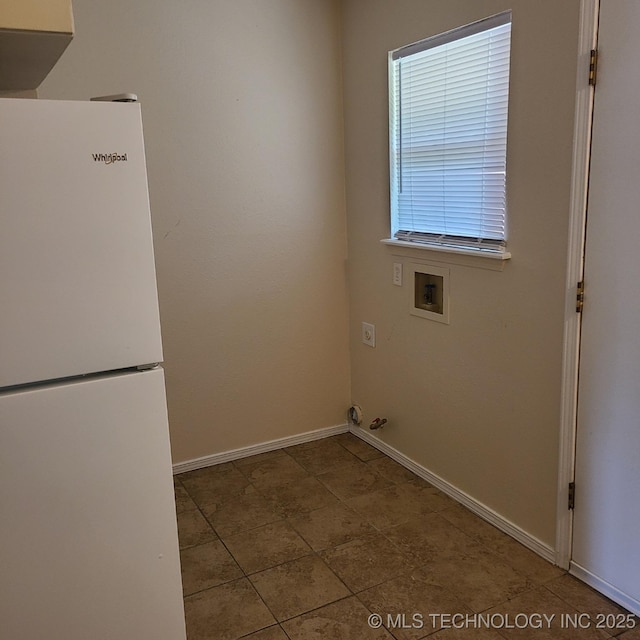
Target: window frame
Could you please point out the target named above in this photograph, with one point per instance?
(430, 238)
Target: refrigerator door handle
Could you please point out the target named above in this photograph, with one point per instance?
(147, 367)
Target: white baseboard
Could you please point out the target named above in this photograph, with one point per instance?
(252, 450)
(624, 600)
(498, 521)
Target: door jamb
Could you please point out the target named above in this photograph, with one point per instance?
(575, 268)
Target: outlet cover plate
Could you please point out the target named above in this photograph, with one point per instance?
(369, 334)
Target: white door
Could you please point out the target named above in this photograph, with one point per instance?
(606, 538)
(88, 537)
(77, 274)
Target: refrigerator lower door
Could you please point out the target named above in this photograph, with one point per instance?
(88, 536)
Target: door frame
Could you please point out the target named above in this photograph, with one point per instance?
(588, 36)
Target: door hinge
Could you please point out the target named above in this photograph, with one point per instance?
(593, 67)
(580, 296)
(572, 495)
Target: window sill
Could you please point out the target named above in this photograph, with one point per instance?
(451, 255)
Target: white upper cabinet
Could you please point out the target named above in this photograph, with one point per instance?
(33, 35)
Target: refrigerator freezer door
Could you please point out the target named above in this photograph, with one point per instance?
(77, 273)
(88, 539)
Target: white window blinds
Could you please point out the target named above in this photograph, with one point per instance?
(448, 136)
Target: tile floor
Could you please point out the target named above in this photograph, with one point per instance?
(305, 543)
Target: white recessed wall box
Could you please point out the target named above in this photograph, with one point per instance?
(429, 292)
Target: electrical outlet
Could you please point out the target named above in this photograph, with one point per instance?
(369, 334)
(397, 274)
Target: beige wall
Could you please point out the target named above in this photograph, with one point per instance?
(241, 102)
(478, 401)
(243, 118)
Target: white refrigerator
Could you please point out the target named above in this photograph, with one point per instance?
(88, 538)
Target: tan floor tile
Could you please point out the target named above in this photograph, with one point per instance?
(183, 500)
(398, 503)
(215, 484)
(474, 525)
(297, 587)
(206, 566)
(321, 455)
(633, 634)
(480, 578)
(259, 458)
(223, 467)
(466, 561)
(240, 514)
(391, 470)
(309, 444)
(273, 472)
(430, 537)
(517, 555)
(408, 596)
(524, 612)
(466, 633)
(526, 562)
(343, 620)
(193, 529)
(299, 496)
(331, 526)
(271, 633)
(227, 612)
(266, 547)
(582, 597)
(358, 447)
(421, 482)
(351, 480)
(364, 563)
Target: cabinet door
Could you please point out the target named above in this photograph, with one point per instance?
(37, 15)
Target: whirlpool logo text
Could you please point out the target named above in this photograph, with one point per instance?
(110, 158)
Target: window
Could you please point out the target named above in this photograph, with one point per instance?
(448, 99)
